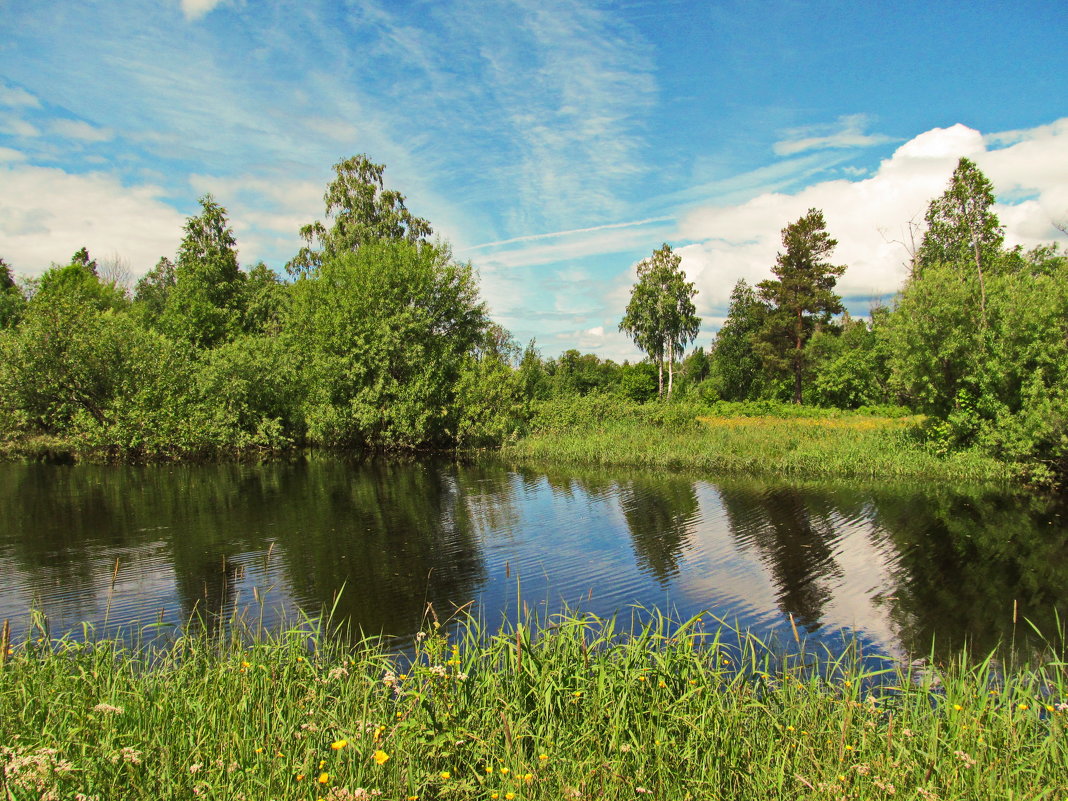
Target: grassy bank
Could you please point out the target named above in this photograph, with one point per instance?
(568, 710)
(744, 438)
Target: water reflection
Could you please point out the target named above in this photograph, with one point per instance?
(905, 566)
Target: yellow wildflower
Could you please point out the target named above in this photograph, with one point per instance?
(489, 768)
(958, 707)
(381, 757)
(528, 777)
(337, 745)
(504, 771)
(543, 757)
(509, 796)
(1024, 707)
(445, 774)
(324, 778)
(495, 795)
(259, 750)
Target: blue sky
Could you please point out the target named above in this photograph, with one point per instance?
(553, 143)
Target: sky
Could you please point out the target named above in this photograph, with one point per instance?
(553, 143)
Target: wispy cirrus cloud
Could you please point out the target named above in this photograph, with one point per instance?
(847, 132)
(16, 96)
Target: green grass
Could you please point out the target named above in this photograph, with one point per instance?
(819, 444)
(572, 708)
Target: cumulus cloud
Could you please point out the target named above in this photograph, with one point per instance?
(46, 214)
(870, 217)
(847, 132)
(195, 9)
(7, 154)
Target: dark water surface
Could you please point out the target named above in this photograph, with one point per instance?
(899, 565)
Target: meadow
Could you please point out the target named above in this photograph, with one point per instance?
(569, 707)
(751, 439)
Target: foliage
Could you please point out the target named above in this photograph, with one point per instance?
(153, 291)
(382, 335)
(204, 305)
(360, 210)
(800, 298)
(661, 317)
(849, 362)
(962, 228)
(11, 300)
(736, 369)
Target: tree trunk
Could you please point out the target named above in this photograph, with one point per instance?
(797, 360)
(671, 366)
(660, 378)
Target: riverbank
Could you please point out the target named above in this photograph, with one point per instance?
(573, 709)
(744, 439)
(758, 439)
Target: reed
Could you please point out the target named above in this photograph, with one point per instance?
(568, 707)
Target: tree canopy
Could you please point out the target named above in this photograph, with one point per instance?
(801, 296)
(359, 209)
(661, 317)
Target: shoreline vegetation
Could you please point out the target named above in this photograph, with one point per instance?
(571, 707)
(759, 439)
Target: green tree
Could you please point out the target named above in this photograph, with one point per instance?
(800, 298)
(154, 289)
(11, 300)
(383, 334)
(359, 209)
(81, 258)
(661, 317)
(204, 305)
(962, 228)
(849, 363)
(735, 367)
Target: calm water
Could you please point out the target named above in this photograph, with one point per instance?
(898, 565)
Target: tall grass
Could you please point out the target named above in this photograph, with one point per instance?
(570, 707)
(738, 440)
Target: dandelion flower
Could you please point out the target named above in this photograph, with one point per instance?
(543, 757)
(489, 768)
(509, 796)
(504, 771)
(958, 707)
(445, 775)
(337, 745)
(1023, 707)
(381, 757)
(324, 778)
(495, 795)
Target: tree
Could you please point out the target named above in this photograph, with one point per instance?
(961, 227)
(802, 296)
(661, 317)
(383, 335)
(81, 258)
(11, 300)
(204, 305)
(735, 365)
(154, 288)
(361, 210)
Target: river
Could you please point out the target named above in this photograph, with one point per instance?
(899, 567)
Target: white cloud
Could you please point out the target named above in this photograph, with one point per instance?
(7, 154)
(46, 214)
(849, 133)
(741, 241)
(13, 96)
(16, 126)
(195, 9)
(80, 130)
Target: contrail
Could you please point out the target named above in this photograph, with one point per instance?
(533, 237)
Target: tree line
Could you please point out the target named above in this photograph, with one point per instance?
(379, 338)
